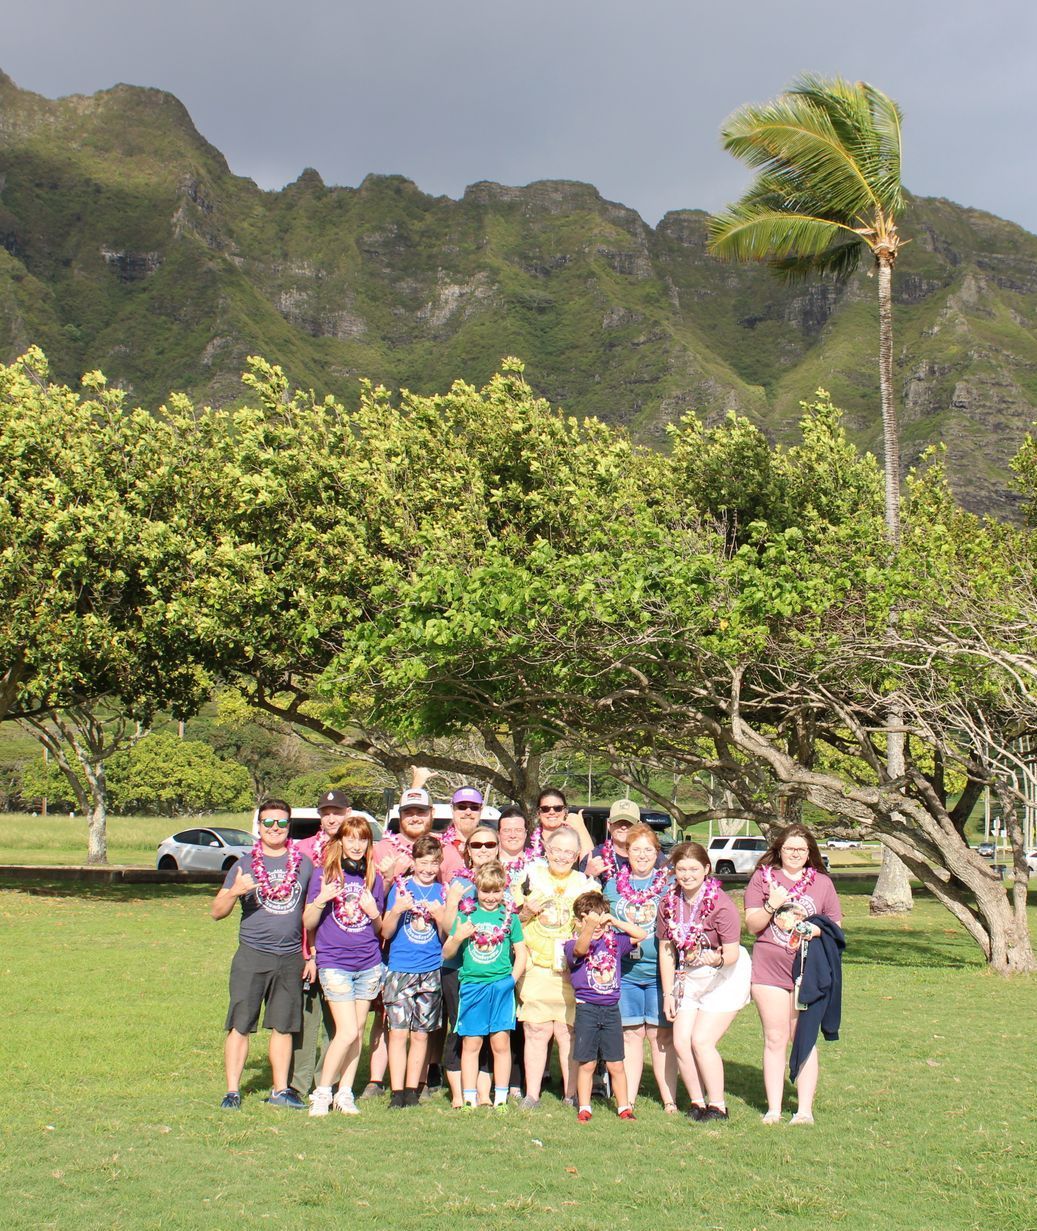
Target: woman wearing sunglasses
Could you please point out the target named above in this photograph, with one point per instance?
(480, 848)
(553, 812)
(343, 917)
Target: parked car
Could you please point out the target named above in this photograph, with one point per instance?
(842, 844)
(740, 853)
(1031, 860)
(986, 850)
(203, 850)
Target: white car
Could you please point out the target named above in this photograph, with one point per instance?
(203, 850)
(737, 853)
(1031, 860)
(842, 844)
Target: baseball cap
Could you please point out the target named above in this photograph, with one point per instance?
(414, 797)
(334, 799)
(624, 810)
(467, 795)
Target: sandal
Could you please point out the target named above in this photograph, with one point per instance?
(670, 1108)
(802, 1117)
(772, 1117)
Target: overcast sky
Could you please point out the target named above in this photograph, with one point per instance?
(627, 96)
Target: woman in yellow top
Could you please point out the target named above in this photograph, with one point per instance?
(547, 1006)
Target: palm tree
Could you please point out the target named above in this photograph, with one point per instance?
(828, 189)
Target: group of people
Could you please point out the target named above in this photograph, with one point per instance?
(479, 948)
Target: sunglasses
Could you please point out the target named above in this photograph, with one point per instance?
(268, 822)
(552, 807)
(483, 846)
(465, 806)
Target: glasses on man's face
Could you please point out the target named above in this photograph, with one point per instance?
(468, 807)
(482, 846)
(552, 807)
(268, 822)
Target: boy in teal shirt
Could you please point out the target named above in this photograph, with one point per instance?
(493, 957)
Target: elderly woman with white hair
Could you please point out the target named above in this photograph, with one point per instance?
(547, 1006)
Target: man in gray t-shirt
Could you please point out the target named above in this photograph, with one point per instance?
(270, 884)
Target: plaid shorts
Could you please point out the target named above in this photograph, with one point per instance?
(413, 1001)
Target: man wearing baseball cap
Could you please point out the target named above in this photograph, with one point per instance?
(467, 803)
(609, 856)
(333, 807)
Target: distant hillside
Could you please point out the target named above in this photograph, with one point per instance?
(127, 244)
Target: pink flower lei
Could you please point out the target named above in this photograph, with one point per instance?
(401, 845)
(639, 897)
(283, 891)
(603, 960)
(689, 934)
(608, 858)
(486, 936)
(420, 908)
(806, 879)
(535, 849)
(464, 874)
(320, 847)
(451, 837)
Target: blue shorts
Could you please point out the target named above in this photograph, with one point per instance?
(341, 985)
(641, 1003)
(486, 1007)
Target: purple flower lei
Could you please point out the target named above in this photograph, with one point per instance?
(283, 891)
(603, 960)
(638, 897)
(535, 850)
(806, 879)
(420, 908)
(689, 934)
(484, 935)
(608, 858)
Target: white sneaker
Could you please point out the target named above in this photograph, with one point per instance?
(320, 1102)
(346, 1103)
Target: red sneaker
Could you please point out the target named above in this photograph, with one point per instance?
(583, 1116)
(627, 1114)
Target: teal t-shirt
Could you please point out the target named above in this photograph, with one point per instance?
(642, 969)
(484, 959)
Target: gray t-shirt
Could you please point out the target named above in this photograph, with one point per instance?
(272, 926)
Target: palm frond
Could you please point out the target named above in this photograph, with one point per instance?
(753, 233)
(839, 261)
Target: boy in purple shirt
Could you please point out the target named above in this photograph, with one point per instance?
(594, 958)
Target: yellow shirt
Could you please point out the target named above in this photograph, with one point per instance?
(546, 932)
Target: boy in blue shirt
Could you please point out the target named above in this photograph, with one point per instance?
(594, 958)
(412, 993)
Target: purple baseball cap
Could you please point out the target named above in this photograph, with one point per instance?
(467, 795)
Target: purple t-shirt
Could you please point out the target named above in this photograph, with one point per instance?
(345, 937)
(722, 926)
(775, 947)
(595, 976)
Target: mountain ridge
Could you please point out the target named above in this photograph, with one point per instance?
(126, 243)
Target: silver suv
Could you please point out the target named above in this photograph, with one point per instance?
(736, 853)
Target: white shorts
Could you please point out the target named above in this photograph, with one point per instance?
(713, 989)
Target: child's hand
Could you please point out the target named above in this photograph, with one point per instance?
(597, 920)
(368, 905)
(438, 912)
(464, 930)
(404, 901)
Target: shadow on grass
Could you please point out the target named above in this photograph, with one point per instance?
(952, 950)
(44, 886)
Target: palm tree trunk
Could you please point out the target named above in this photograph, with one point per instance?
(892, 895)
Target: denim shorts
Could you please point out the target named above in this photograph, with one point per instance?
(641, 1003)
(340, 985)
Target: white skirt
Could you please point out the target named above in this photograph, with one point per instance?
(715, 989)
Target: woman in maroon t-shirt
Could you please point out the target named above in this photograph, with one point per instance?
(788, 886)
(704, 973)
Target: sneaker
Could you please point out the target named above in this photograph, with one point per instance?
(529, 1103)
(500, 1109)
(696, 1112)
(714, 1113)
(569, 1100)
(345, 1103)
(627, 1114)
(320, 1102)
(411, 1098)
(286, 1098)
(583, 1116)
(231, 1101)
(373, 1089)
(397, 1101)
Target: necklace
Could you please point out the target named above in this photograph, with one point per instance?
(639, 897)
(338, 906)
(535, 850)
(608, 858)
(421, 905)
(319, 847)
(486, 934)
(806, 879)
(283, 891)
(602, 960)
(689, 934)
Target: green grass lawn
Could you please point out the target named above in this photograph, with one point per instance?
(61, 839)
(112, 1007)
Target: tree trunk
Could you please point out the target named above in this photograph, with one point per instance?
(892, 895)
(97, 835)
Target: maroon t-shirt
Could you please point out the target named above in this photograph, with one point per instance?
(775, 947)
(722, 926)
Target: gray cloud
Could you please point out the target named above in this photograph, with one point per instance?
(629, 98)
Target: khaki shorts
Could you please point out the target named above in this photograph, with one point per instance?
(546, 996)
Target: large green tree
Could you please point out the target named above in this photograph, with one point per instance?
(827, 193)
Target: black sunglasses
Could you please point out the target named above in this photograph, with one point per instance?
(482, 846)
(270, 821)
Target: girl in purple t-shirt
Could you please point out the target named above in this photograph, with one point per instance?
(343, 919)
(704, 973)
(788, 886)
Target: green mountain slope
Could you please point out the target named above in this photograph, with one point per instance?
(127, 244)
